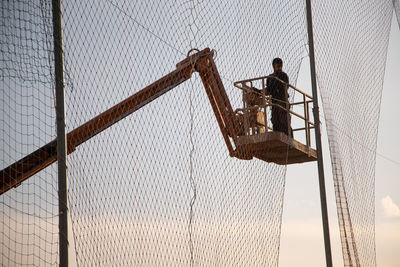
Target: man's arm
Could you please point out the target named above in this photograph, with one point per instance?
(268, 90)
(284, 77)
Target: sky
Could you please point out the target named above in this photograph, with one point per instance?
(301, 240)
(302, 235)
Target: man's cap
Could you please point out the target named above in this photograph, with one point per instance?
(277, 61)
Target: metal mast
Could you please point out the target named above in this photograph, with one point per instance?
(61, 137)
(321, 175)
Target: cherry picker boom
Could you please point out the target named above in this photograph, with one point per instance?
(238, 132)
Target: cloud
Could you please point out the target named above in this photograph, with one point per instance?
(390, 208)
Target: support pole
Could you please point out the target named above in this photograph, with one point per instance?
(321, 175)
(61, 137)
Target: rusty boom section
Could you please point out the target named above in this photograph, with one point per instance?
(202, 62)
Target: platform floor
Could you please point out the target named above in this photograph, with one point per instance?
(275, 147)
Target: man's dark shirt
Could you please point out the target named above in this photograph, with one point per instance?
(277, 89)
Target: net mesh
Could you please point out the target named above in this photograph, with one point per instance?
(396, 6)
(351, 40)
(28, 213)
(159, 187)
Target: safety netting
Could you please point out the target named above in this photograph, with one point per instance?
(396, 6)
(159, 188)
(29, 212)
(351, 40)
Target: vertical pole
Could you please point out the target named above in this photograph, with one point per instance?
(321, 175)
(61, 137)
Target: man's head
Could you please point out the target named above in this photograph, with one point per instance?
(277, 64)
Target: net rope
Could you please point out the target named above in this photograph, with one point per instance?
(396, 6)
(159, 188)
(29, 212)
(131, 187)
(351, 40)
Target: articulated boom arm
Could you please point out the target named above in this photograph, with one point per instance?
(201, 62)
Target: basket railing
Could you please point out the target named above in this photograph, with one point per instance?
(257, 87)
